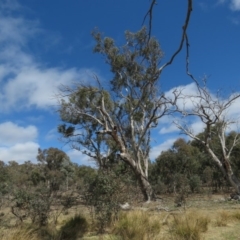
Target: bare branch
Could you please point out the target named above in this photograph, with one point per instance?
(150, 14)
(183, 37)
(236, 140)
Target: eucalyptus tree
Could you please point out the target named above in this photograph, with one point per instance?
(115, 122)
(214, 113)
(56, 166)
(177, 168)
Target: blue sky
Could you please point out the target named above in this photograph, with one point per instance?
(46, 43)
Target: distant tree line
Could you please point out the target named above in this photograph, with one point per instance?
(187, 166)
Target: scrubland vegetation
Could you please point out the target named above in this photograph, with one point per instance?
(190, 192)
(56, 199)
(214, 219)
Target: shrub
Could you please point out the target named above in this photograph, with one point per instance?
(35, 205)
(195, 183)
(74, 228)
(104, 194)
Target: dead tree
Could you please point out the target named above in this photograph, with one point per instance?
(213, 112)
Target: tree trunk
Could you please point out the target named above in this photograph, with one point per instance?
(230, 176)
(234, 182)
(146, 188)
(226, 169)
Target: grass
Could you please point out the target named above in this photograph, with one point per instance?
(189, 226)
(236, 215)
(137, 225)
(18, 234)
(204, 219)
(222, 219)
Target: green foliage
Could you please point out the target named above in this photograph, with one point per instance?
(188, 165)
(111, 186)
(177, 169)
(119, 117)
(55, 167)
(84, 175)
(35, 205)
(139, 58)
(37, 187)
(4, 181)
(195, 183)
(103, 195)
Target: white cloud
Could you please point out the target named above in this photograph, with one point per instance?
(52, 134)
(24, 81)
(187, 90)
(80, 158)
(11, 134)
(9, 5)
(197, 127)
(27, 83)
(233, 110)
(156, 151)
(235, 5)
(169, 129)
(17, 142)
(20, 152)
(36, 87)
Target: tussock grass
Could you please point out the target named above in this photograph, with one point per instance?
(235, 216)
(137, 225)
(222, 219)
(189, 226)
(18, 234)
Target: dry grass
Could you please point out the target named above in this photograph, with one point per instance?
(137, 225)
(205, 218)
(222, 219)
(18, 234)
(236, 215)
(189, 226)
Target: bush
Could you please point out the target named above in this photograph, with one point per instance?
(195, 183)
(74, 228)
(35, 205)
(137, 225)
(104, 194)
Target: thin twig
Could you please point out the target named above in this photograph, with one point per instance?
(183, 38)
(150, 13)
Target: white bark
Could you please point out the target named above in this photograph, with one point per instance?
(212, 111)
